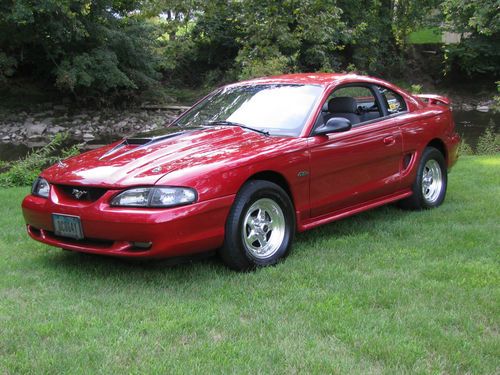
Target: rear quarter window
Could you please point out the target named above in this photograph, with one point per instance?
(394, 102)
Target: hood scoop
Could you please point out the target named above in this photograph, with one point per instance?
(140, 142)
(137, 141)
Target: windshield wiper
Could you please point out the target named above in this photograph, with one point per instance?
(230, 123)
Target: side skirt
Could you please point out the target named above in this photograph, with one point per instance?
(340, 214)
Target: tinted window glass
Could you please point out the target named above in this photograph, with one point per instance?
(356, 103)
(395, 103)
(363, 95)
(280, 109)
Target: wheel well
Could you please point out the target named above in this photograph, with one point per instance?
(439, 144)
(274, 177)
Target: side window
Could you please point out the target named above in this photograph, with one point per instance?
(362, 95)
(355, 103)
(394, 102)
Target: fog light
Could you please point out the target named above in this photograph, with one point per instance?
(142, 245)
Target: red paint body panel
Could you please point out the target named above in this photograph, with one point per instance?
(353, 167)
(110, 230)
(328, 177)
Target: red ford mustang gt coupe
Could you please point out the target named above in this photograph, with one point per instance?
(248, 166)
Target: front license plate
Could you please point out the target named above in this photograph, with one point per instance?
(67, 226)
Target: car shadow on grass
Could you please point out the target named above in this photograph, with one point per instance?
(103, 266)
(366, 221)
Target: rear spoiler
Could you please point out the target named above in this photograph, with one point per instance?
(434, 99)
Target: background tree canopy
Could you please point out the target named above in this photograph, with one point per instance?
(105, 48)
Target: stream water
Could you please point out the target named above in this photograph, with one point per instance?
(469, 124)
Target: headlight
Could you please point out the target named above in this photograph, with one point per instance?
(40, 188)
(155, 197)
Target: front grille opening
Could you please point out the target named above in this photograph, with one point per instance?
(81, 193)
(85, 241)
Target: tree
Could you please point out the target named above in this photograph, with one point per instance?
(478, 21)
(97, 46)
(289, 36)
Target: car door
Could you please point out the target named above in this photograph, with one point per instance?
(359, 165)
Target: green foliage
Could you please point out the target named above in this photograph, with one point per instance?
(106, 49)
(4, 165)
(97, 69)
(489, 142)
(478, 21)
(464, 148)
(296, 36)
(474, 55)
(429, 35)
(252, 68)
(416, 89)
(477, 16)
(87, 48)
(497, 98)
(24, 171)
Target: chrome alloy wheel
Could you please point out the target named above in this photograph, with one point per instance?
(263, 228)
(432, 181)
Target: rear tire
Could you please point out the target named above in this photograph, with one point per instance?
(260, 227)
(429, 188)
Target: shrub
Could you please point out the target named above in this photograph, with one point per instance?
(464, 148)
(416, 89)
(24, 171)
(100, 48)
(260, 68)
(489, 142)
(496, 106)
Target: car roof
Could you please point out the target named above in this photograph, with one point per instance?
(322, 79)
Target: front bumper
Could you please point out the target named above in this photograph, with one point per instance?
(114, 230)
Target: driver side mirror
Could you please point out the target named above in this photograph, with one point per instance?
(334, 125)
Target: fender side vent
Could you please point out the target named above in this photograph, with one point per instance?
(407, 161)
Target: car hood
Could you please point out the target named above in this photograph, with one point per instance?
(144, 159)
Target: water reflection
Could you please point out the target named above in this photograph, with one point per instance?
(469, 124)
(472, 124)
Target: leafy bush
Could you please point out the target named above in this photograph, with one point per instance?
(416, 89)
(478, 23)
(87, 48)
(260, 68)
(24, 171)
(464, 148)
(474, 56)
(489, 142)
(496, 107)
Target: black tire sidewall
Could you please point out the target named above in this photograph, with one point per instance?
(234, 252)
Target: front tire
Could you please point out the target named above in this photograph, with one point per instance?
(429, 188)
(260, 227)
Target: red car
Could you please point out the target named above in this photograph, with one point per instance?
(248, 166)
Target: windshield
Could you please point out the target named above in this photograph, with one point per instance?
(279, 109)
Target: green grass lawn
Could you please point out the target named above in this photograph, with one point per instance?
(386, 291)
(429, 35)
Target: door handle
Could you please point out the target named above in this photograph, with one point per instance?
(389, 140)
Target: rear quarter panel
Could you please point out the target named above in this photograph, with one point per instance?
(421, 127)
